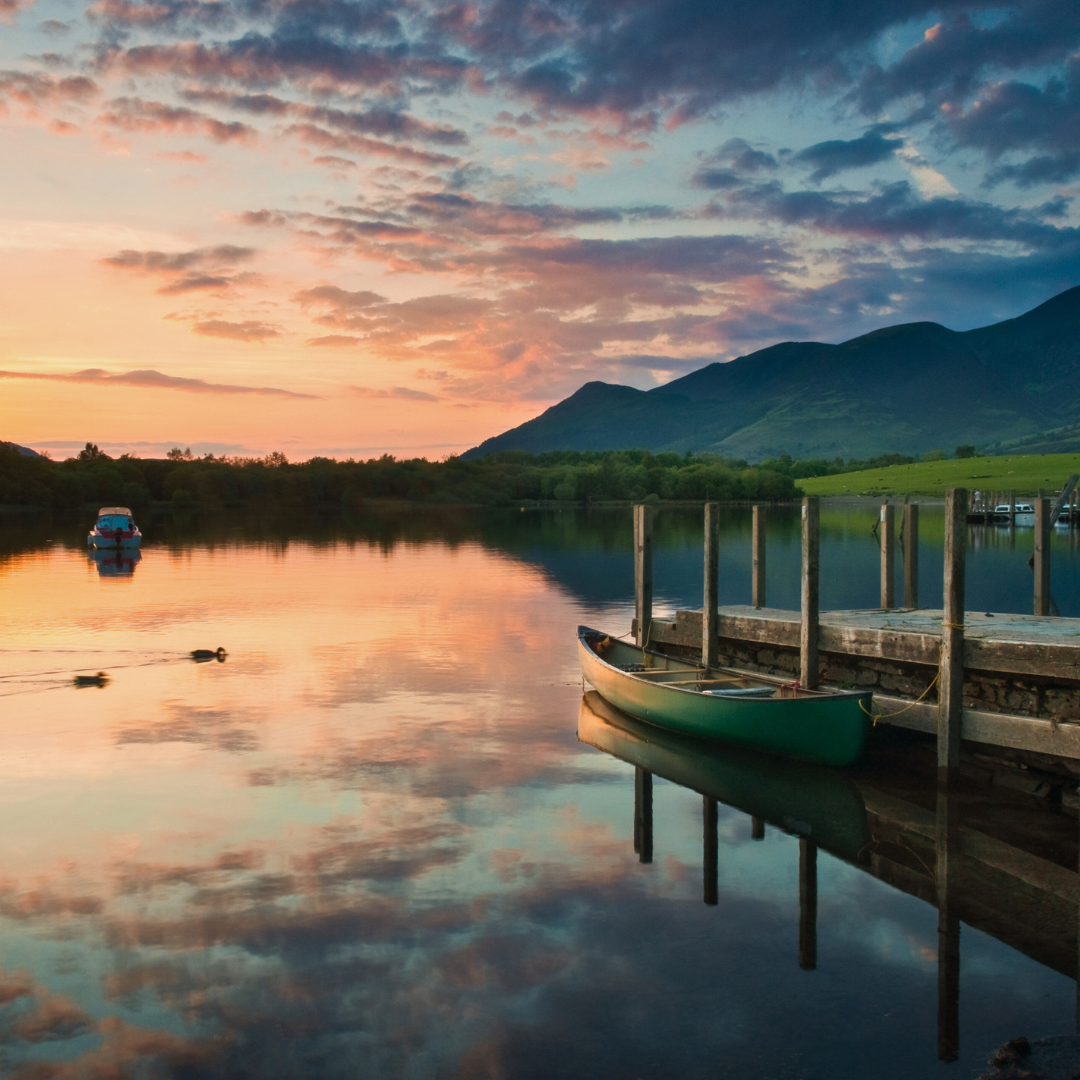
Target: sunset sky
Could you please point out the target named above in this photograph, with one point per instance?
(343, 228)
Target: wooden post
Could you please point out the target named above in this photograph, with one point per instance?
(811, 566)
(911, 555)
(1042, 557)
(643, 814)
(709, 615)
(711, 860)
(947, 830)
(888, 558)
(758, 542)
(951, 670)
(757, 828)
(1072, 511)
(1012, 509)
(643, 577)
(807, 904)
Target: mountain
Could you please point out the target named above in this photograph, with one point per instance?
(903, 389)
(25, 451)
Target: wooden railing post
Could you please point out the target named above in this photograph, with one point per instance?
(1042, 557)
(951, 671)
(911, 555)
(811, 567)
(758, 543)
(888, 558)
(709, 614)
(643, 572)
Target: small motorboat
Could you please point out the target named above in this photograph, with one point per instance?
(1025, 513)
(115, 527)
(824, 725)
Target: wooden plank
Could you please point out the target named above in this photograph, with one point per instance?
(978, 725)
(1042, 557)
(711, 594)
(910, 528)
(809, 592)
(951, 685)
(758, 556)
(888, 558)
(643, 571)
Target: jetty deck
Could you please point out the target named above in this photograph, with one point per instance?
(1021, 672)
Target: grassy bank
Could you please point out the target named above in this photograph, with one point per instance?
(1025, 473)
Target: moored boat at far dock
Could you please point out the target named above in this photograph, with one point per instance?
(115, 527)
(824, 725)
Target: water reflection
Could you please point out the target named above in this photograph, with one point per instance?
(118, 563)
(953, 856)
(371, 842)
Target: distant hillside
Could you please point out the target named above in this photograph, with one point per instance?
(907, 389)
(24, 450)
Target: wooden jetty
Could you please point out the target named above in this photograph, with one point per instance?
(984, 680)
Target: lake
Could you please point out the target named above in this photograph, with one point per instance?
(371, 843)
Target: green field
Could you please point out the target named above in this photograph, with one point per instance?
(1023, 473)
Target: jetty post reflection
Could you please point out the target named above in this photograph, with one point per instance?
(909, 836)
(643, 814)
(947, 870)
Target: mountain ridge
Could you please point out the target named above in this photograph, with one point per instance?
(906, 388)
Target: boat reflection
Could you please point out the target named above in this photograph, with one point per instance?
(813, 801)
(115, 563)
(1000, 866)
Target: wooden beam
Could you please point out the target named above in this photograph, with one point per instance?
(1042, 557)
(711, 598)
(1063, 498)
(643, 571)
(951, 669)
(809, 592)
(910, 527)
(994, 729)
(758, 555)
(887, 540)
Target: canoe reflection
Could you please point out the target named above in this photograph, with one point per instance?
(115, 563)
(813, 801)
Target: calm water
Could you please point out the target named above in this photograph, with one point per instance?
(371, 843)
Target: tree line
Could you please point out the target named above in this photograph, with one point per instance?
(183, 479)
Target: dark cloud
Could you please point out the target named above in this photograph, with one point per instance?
(36, 89)
(835, 155)
(154, 117)
(155, 380)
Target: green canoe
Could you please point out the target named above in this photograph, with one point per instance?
(810, 800)
(824, 726)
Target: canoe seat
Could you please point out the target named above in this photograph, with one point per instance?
(743, 692)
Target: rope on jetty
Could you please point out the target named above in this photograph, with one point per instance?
(888, 716)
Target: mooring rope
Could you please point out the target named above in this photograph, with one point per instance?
(888, 716)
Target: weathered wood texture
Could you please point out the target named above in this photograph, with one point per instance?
(758, 556)
(911, 555)
(887, 540)
(643, 571)
(951, 667)
(1042, 557)
(809, 592)
(711, 593)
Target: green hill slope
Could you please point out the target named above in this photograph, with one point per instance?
(905, 389)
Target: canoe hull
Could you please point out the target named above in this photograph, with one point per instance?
(829, 728)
